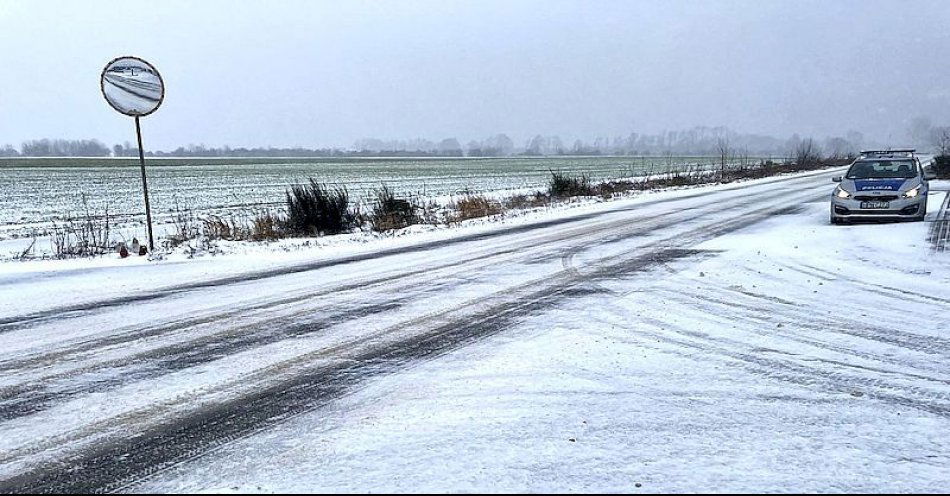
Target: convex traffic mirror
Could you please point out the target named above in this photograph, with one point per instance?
(132, 86)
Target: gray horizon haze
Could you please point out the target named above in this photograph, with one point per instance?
(325, 74)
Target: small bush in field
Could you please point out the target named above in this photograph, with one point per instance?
(185, 225)
(217, 227)
(941, 166)
(563, 185)
(87, 235)
(474, 206)
(527, 201)
(267, 226)
(389, 212)
(607, 189)
(316, 209)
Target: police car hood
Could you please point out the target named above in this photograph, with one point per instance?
(899, 184)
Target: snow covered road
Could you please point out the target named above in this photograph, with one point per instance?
(724, 338)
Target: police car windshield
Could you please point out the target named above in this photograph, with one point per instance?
(882, 169)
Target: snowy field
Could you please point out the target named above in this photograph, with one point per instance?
(725, 338)
(38, 192)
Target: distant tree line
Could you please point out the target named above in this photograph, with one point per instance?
(57, 148)
(126, 150)
(9, 151)
(699, 140)
(448, 147)
(226, 151)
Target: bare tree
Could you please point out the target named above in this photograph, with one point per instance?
(807, 153)
(725, 151)
(9, 151)
(940, 139)
(839, 148)
(919, 130)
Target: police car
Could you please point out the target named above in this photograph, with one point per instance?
(881, 184)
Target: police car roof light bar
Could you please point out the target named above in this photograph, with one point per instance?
(889, 152)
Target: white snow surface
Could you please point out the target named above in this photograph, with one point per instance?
(786, 356)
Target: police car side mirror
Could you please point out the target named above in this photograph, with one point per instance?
(928, 175)
(836, 179)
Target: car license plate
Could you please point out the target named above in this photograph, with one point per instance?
(874, 204)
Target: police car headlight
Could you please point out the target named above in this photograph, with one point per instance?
(913, 192)
(841, 193)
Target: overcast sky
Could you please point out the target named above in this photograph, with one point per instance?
(314, 73)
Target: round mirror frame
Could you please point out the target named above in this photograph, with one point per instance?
(102, 83)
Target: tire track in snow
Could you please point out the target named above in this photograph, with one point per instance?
(41, 393)
(299, 387)
(653, 259)
(693, 299)
(621, 229)
(23, 400)
(758, 316)
(932, 345)
(880, 289)
(129, 334)
(735, 352)
(834, 319)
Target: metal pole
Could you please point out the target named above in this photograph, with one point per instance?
(148, 207)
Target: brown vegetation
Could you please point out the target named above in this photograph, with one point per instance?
(473, 207)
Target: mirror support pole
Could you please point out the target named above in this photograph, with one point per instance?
(148, 207)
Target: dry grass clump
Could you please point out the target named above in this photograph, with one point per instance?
(390, 212)
(473, 207)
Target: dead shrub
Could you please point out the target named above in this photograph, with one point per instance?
(474, 206)
(519, 202)
(563, 185)
(87, 235)
(184, 224)
(389, 212)
(608, 189)
(218, 227)
(316, 209)
(268, 226)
